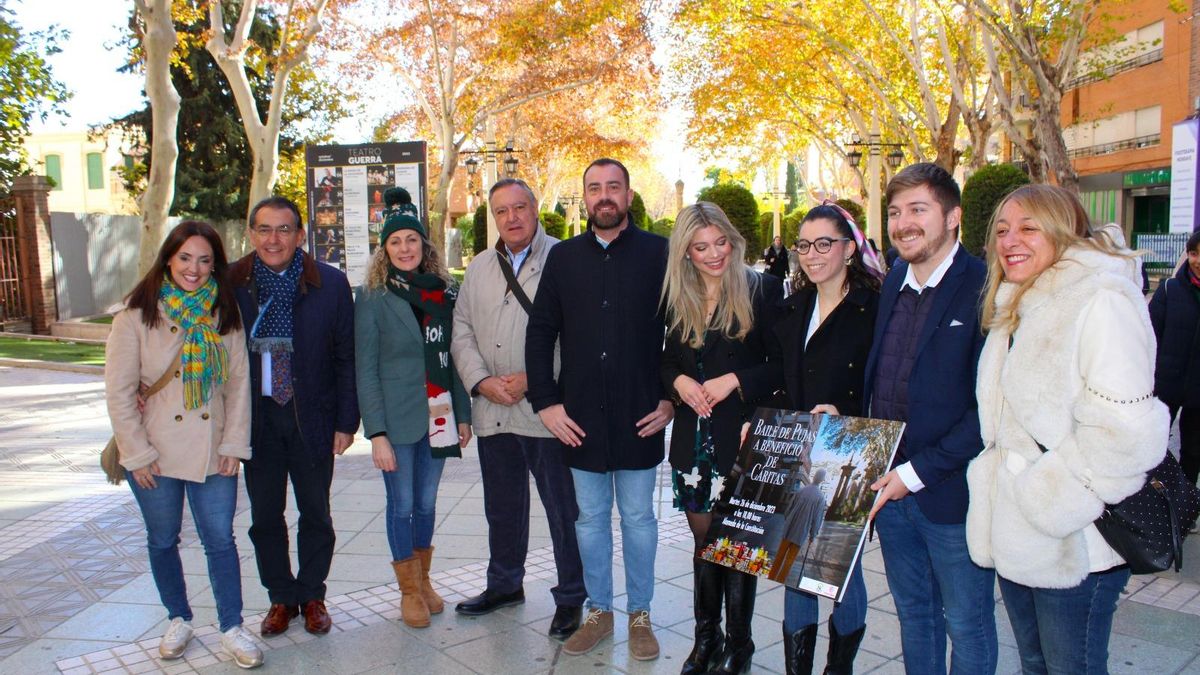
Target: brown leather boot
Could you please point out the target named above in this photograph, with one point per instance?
(432, 600)
(413, 610)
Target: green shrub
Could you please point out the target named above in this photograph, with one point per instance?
(982, 191)
(466, 232)
(554, 224)
(637, 211)
(479, 241)
(663, 226)
(740, 207)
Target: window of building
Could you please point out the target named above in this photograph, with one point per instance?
(54, 170)
(95, 171)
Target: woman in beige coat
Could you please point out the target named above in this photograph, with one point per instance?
(187, 438)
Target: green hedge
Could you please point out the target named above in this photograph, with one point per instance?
(981, 193)
(741, 208)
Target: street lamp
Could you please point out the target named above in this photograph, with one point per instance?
(873, 176)
(490, 159)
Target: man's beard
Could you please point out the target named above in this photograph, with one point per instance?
(608, 222)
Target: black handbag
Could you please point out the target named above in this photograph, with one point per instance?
(1147, 528)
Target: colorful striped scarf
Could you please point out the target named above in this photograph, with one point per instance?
(205, 361)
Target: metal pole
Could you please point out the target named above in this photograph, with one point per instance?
(873, 177)
(489, 178)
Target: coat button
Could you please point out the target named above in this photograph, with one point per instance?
(177, 373)
(850, 365)
(506, 302)
(852, 393)
(179, 418)
(497, 345)
(604, 305)
(204, 416)
(603, 355)
(174, 329)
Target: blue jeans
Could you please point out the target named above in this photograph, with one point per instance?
(1064, 631)
(800, 607)
(639, 530)
(411, 497)
(212, 504)
(937, 590)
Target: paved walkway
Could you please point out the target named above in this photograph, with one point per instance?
(76, 594)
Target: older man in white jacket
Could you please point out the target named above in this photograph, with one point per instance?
(488, 347)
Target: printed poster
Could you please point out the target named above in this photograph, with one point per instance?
(345, 198)
(795, 505)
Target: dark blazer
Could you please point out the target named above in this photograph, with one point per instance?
(322, 353)
(602, 305)
(830, 368)
(758, 377)
(942, 435)
(777, 261)
(1175, 315)
(390, 357)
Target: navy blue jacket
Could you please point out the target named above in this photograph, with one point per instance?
(322, 353)
(602, 306)
(1175, 315)
(942, 435)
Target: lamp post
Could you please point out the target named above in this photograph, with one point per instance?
(873, 176)
(489, 160)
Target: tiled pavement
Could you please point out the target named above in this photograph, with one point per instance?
(76, 595)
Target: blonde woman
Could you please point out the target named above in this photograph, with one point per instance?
(188, 439)
(719, 313)
(413, 405)
(1069, 424)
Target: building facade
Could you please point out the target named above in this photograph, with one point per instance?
(84, 171)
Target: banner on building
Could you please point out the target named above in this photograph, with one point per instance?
(1184, 176)
(795, 509)
(345, 198)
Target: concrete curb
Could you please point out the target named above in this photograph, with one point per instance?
(53, 365)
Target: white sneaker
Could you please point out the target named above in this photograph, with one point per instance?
(175, 640)
(237, 643)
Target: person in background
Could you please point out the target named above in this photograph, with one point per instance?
(1069, 421)
(1175, 315)
(413, 405)
(776, 258)
(719, 313)
(189, 437)
(303, 405)
(823, 340)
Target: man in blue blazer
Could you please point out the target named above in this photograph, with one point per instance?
(922, 371)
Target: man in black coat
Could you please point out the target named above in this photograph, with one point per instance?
(599, 299)
(776, 258)
(1175, 315)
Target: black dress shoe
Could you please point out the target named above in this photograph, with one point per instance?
(565, 622)
(490, 601)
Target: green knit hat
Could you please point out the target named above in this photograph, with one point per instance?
(400, 214)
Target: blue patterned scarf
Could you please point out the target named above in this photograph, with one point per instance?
(272, 331)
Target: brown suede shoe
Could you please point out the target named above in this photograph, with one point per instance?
(596, 626)
(278, 618)
(643, 646)
(316, 619)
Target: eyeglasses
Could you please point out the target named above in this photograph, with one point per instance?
(822, 244)
(265, 231)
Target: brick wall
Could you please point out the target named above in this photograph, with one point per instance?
(36, 251)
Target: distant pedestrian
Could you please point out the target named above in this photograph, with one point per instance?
(776, 258)
(1175, 315)
(189, 437)
(1069, 422)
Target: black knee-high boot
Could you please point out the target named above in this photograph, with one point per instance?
(708, 584)
(739, 610)
(798, 650)
(842, 649)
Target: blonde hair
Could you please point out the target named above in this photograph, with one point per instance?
(431, 263)
(683, 292)
(1065, 223)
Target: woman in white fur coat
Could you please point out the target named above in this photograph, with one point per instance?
(1068, 365)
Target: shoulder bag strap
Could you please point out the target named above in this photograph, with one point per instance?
(166, 377)
(513, 286)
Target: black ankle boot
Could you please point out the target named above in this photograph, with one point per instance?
(708, 590)
(798, 650)
(842, 649)
(739, 610)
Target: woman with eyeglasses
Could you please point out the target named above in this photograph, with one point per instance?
(719, 312)
(823, 339)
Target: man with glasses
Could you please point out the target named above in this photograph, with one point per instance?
(298, 315)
